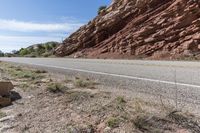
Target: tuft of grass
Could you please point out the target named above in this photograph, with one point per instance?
(84, 83)
(40, 71)
(2, 114)
(67, 80)
(120, 100)
(141, 123)
(184, 120)
(113, 122)
(138, 106)
(81, 83)
(56, 88)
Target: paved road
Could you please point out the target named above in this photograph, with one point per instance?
(153, 77)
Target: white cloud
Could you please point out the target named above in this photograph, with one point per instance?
(14, 25)
(17, 34)
(9, 43)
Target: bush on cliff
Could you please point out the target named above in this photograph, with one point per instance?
(101, 9)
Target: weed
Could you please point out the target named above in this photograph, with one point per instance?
(138, 107)
(141, 123)
(40, 71)
(56, 88)
(81, 83)
(113, 122)
(184, 120)
(120, 100)
(67, 80)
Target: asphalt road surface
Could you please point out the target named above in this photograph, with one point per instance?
(170, 79)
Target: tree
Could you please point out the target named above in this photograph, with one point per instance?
(40, 49)
(31, 49)
(24, 52)
(101, 9)
(48, 47)
(54, 44)
(1, 54)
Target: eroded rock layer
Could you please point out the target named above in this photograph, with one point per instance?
(139, 28)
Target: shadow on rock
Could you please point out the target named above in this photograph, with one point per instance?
(14, 96)
(7, 100)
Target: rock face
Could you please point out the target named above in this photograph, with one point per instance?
(153, 29)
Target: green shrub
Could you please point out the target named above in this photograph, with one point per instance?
(113, 122)
(56, 88)
(24, 52)
(40, 50)
(120, 100)
(81, 83)
(101, 8)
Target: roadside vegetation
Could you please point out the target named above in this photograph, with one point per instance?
(37, 50)
(84, 83)
(56, 88)
(78, 107)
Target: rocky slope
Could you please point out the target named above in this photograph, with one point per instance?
(155, 29)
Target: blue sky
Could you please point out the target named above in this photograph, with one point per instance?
(26, 22)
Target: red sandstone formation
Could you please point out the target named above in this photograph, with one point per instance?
(153, 29)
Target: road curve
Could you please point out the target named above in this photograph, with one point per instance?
(153, 77)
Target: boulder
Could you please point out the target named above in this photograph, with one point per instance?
(5, 88)
(5, 101)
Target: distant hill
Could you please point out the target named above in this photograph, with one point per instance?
(39, 50)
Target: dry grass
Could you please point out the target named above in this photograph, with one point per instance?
(185, 120)
(82, 83)
(151, 123)
(56, 88)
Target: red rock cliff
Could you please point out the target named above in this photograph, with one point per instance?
(139, 28)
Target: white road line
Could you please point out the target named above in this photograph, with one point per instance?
(115, 75)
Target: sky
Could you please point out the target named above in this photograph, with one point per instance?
(27, 22)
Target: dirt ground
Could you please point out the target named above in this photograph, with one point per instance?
(52, 103)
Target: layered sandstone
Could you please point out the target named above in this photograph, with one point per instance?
(139, 28)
